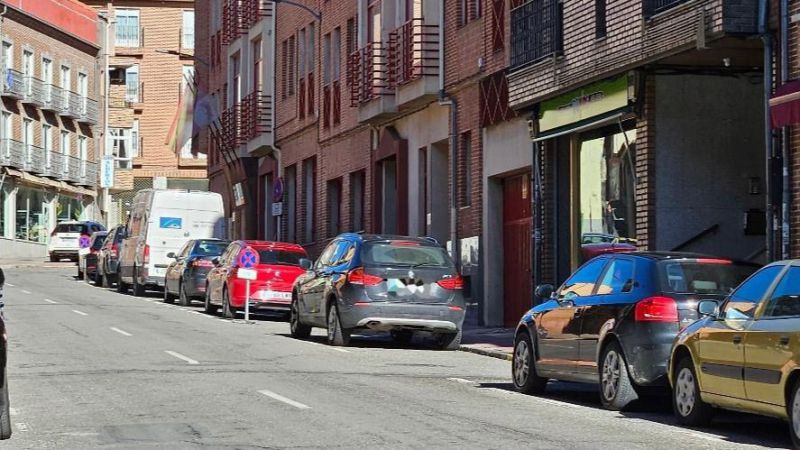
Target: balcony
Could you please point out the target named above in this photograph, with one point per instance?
(537, 32)
(370, 83)
(256, 123)
(34, 91)
(89, 172)
(36, 162)
(55, 165)
(72, 105)
(414, 62)
(14, 84)
(72, 169)
(238, 16)
(13, 154)
(59, 100)
(653, 7)
(90, 113)
(129, 40)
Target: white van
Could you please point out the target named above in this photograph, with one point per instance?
(161, 221)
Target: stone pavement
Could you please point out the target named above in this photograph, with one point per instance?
(494, 342)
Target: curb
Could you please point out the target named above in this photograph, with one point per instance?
(487, 352)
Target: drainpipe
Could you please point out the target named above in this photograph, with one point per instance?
(2, 66)
(536, 200)
(277, 155)
(446, 100)
(786, 194)
(763, 29)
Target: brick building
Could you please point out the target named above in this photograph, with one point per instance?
(48, 127)
(150, 65)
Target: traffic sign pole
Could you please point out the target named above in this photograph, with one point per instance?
(247, 302)
(248, 259)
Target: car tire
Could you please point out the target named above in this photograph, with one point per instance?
(183, 298)
(5, 414)
(227, 311)
(793, 405)
(337, 336)
(297, 329)
(523, 367)
(54, 258)
(207, 306)
(138, 289)
(104, 281)
(122, 287)
(616, 387)
(402, 337)
(688, 406)
(168, 298)
(80, 275)
(450, 341)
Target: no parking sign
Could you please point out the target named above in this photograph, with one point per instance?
(248, 258)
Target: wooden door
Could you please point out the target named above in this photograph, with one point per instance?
(517, 222)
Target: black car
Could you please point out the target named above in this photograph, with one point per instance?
(186, 276)
(5, 408)
(614, 320)
(87, 258)
(387, 283)
(108, 256)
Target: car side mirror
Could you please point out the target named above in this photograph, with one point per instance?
(708, 308)
(171, 255)
(306, 264)
(215, 261)
(544, 291)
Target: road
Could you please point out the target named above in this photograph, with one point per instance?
(90, 368)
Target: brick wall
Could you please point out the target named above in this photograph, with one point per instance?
(645, 168)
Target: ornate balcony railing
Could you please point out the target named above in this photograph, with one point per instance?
(90, 111)
(72, 168)
(413, 51)
(13, 154)
(36, 159)
(74, 108)
(89, 173)
(537, 31)
(653, 7)
(34, 91)
(55, 165)
(368, 73)
(14, 84)
(256, 115)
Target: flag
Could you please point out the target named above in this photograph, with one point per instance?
(180, 133)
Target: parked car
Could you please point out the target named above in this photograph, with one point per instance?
(107, 257)
(397, 284)
(589, 251)
(65, 240)
(278, 268)
(161, 221)
(5, 405)
(743, 354)
(614, 320)
(186, 275)
(87, 257)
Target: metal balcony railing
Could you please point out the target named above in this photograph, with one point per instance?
(413, 52)
(34, 91)
(75, 105)
(537, 31)
(90, 111)
(72, 168)
(256, 115)
(232, 126)
(55, 165)
(36, 159)
(653, 7)
(368, 73)
(88, 173)
(14, 84)
(13, 154)
(58, 99)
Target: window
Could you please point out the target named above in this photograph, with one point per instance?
(465, 169)
(374, 21)
(357, 183)
(4, 205)
(71, 209)
(83, 153)
(125, 144)
(66, 78)
(135, 139)
(311, 68)
(290, 78)
(83, 90)
(27, 70)
(618, 277)
(8, 55)
(47, 78)
(741, 305)
(309, 197)
(582, 282)
(600, 19)
(336, 68)
(132, 84)
(8, 125)
(301, 73)
(334, 200)
(291, 203)
(65, 146)
(31, 219)
(27, 131)
(47, 138)
(284, 69)
(468, 10)
(216, 22)
(258, 64)
(326, 59)
(187, 31)
(498, 24)
(352, 36)
(236, 75)
(127, 28)
(785, 300)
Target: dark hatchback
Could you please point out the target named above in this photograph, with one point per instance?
(614, 320)
(186, 275)
(87, 258)
(108, 256)
(386, 283)
(5, 410)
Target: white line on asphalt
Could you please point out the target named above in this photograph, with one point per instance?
(124, 333)
(283, 399)
(53, 302)
(9, 285)
(79, 312)
(461, 380)
(26, 292)
(22, 427)
(324, 346)
(179, 356)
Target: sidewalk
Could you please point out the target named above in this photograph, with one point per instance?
(12, 263)
(494, 342)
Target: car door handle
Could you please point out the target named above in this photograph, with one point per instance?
(784, 340)
(737, 339)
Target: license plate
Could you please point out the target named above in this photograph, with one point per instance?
(157, 271)
(272, 295)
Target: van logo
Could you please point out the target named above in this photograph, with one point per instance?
(173, 223)
(411, 274)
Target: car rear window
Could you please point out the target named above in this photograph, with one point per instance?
(71, 228)
(210, 248)
(282, 257)
(703, 276)
(405, 253)
(97, 243)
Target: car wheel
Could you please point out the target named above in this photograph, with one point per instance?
(5, 414)
(523, 367)
(80, 274)
(168, 298)
(616, 388)
(689, 407)
(402, 337)
(207, 306)
(450, 341)
(183, 299)
(98, 279)
(297, 328)
(138, 289)
(53, 258)
(104, 281)
(337, 336)
(794, 414)
(227, 311)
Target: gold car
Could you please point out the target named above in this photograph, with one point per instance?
(743, 354)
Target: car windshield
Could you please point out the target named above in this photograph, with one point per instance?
(701, 276)
(405, 253)
(70, 228)
(281, 257)
(210, 248)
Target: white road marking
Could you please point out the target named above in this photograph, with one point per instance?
(179, 356)
(124, 333)
(9, 285)
(283, 399)
(79, 312)
(22, 427)
(53, 302)
(461, 380)
(26, 292)
(329, 347)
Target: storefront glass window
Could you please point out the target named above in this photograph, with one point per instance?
(607, 189)
(68, 209)
(3, 214)
(31, 215)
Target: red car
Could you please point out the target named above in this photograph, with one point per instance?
(271, 292)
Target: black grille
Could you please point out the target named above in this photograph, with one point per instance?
(537, 31)
(653, 7)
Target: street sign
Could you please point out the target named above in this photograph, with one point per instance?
(248, 258)
(238, 194)
(247, 274)
(107, 171)
(277, 209)
(84, 241)
(277, 191)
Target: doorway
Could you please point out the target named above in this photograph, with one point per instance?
(517, 224)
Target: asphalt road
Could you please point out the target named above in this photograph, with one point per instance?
(90, 368)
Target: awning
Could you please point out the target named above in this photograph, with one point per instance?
(784, 105)
(596, 122)
(46, 182)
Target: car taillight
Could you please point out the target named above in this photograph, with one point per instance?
(146, 254)
(114, 249)
(657, 309)
(202, 263)
(452, 284)
(357, 276)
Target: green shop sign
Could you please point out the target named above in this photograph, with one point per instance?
(582, 105)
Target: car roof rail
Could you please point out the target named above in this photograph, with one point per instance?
(431, 239)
